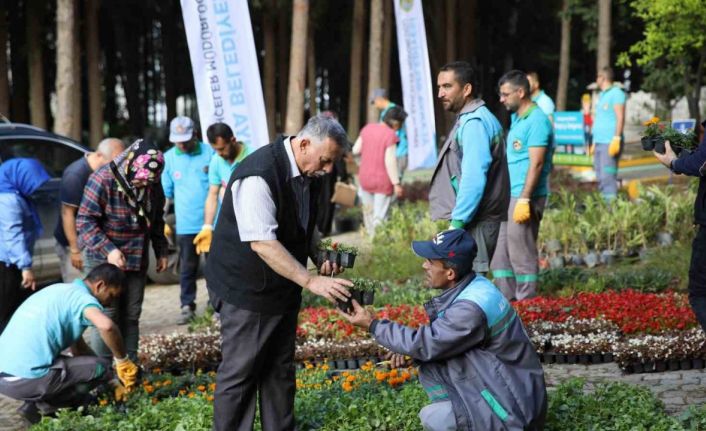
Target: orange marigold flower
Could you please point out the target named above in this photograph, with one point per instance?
(182, 391)
(212, 387)
(324, 367)
(210, 398)
(380, 375)
(149, 389)
(350, 379)
(347, 386)
(393, 372)
(103, 403)
(166, 383)
(191, 395)
(157, 371)
(201, 388)
(308, 366)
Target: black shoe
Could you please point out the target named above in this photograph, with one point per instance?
(30, 412)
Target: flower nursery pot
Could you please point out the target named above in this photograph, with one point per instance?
(608, 357)
(577, 259)
(560, 358)
(351, 364)
(596, 358)
(647, 143)
(664, 239)
(658, 143)
(549, 358)
(644, 254)
(322, 256)
(571, 359)
(660, 366)
(553, 245)
(347, 260)
(334, 257)
(556, 262)
(368, 297)
(607, 257)
(591, 259)
(685, 364)
(637, 367)
(673, 365)
(649, 367)
(584, 359)
(698, 363)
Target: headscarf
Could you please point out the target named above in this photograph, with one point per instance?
(142, 161)
(23, 177)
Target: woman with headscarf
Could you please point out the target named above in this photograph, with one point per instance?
(120, 213)
(19, 228)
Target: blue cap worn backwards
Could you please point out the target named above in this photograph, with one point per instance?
(455, 245)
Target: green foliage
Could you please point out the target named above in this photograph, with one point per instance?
(571, 280)
(202, 321)
(391, 257)
(366, 284)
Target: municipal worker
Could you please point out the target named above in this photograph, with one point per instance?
(545, 103)
(608, 133)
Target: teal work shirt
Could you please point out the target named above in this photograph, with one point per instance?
(545, 103)
(531, 129)
(219, 171)
(185, 179)
(48, 322)
(402, 145)
(605, 120)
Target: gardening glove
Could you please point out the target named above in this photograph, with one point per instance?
(127, 372)
(120, 393)
(521, 214)
(202, 241)
(167, 231)
(614, 147)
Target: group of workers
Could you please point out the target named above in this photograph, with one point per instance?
(476, 362)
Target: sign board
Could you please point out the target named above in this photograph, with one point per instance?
(684, 126)
(568, 128)
(565, 159)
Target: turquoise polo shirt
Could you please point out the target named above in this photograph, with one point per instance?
(402, 145)
(219, 171)
(605, 119)
(185, 179)
(545, 103)
(531, 129)
(48, 322)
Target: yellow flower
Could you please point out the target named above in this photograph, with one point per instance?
(210, 398)
(347, 386)
(191, 395)
(149, 389)
(651, 121)
(166, 383)
(157, 371)
(103, 403)
(201, 388)
(324, 367)
(308, 366)
(212, 387)
(182, 391)
(350, 379)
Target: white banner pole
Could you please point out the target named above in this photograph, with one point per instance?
(225, 68)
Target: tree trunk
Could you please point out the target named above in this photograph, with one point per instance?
(564, 58)
(283, 36)
(451, 16)
(297, 67)
(19, 111)
(604, 37)
(692, 86)
(311, 72)
(65, 75)
(37, 106)
(4, 79)
(512, 21)
(93, 73)
(168, 18)
(268, 30)
(78, 69)
(375, 56)
(354, 97)
(467, 31)
(129, 48)
(387, 59)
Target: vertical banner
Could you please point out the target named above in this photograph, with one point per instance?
(417, 92)
(224, 63)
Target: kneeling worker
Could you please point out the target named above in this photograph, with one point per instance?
(32, 368)
(475, 360)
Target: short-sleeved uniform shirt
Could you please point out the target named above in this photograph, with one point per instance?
(48, 322)
(402, 146)
(220, 170)
(73, 182)
(605, 120)
(185, 179)
(545, 103)
(531, 129)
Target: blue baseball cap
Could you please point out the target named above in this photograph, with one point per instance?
(181, 129)
(455, 245)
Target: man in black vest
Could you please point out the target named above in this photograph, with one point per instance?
(257, 268)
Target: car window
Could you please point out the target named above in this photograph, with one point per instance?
(54, 155)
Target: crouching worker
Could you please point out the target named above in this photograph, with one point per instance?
(476, 363)
(32, 368)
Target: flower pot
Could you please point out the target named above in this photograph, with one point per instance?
(596, 358)
(577, 259)
(351, 364)
(649, 367)
(368, 297)
(560, 358)
(607, 257)
(658, 142)
(347, 260)
(673, 365)
(322, 257)
(685, 364)
(553, 245)
(660, 366)
(648, 143)
(608, 357)
(584, 359)
(549, 358)
(591, 259)
(571, 359)
(664, 239)
(556, 262)
(334, 257)
(637, 367)
(698, 363)
(644, 254)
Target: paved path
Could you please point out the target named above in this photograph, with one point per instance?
(677, 389)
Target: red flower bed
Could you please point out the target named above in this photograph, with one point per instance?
(632, 311)
(322, 322)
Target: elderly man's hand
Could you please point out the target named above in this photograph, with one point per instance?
(668, 156)
(329, 266)
(329, 288)
(359, 316)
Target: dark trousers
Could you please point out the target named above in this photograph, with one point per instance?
(188, 269)
(65, 385)
(697, 277)
(11, 292)
(258, 356)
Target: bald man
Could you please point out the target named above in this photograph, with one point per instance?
(72, 183)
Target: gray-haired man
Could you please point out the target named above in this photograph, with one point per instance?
(73, 181)
(257, 268)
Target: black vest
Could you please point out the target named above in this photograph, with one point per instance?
(234, 272)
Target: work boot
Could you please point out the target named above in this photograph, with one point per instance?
(187, 313)
(29, 412)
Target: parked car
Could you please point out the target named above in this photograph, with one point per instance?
(56, 152)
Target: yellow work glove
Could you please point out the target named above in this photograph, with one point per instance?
(202, 241)
(167, 231)
(614, 147)
(127, 372)
(120, 393)
(521, 214)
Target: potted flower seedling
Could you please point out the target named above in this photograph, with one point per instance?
(363, 292)
(651, 137)
(348, 254)
(338, 253)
